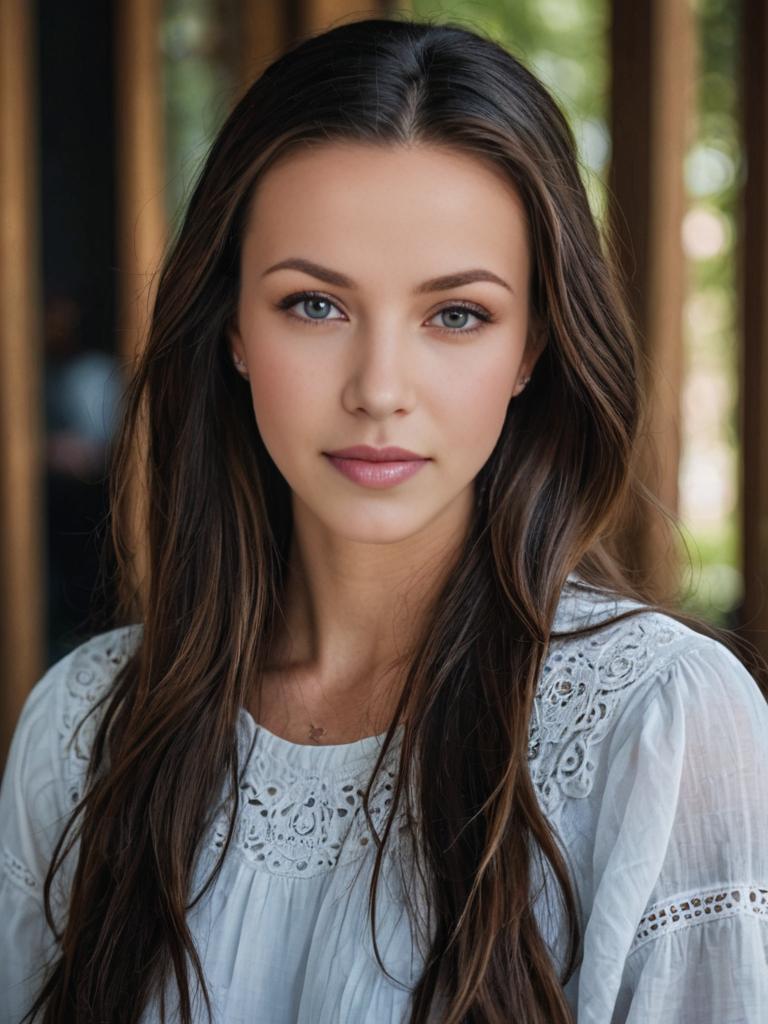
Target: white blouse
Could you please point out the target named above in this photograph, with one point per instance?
(649, 753)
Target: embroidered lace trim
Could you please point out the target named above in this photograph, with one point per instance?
(94, 667)
(668, 916)
(584, 683)
(298, 826)
(19, 873)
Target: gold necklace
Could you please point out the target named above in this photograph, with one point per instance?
(315, 732)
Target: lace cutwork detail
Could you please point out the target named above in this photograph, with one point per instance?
(300, 825)
(292, 822)
(584, 682)
(668, 916)
(19, 873)
(94, 667)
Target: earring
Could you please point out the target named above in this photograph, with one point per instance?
(524, 380)
(241, 366)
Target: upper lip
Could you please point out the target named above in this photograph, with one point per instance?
(364, 451)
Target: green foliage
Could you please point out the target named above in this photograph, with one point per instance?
(198, 46)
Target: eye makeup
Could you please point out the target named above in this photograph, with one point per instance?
(477, 311)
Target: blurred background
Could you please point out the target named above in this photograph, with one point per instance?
(107, 108)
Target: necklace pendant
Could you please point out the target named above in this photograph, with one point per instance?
(315, 732)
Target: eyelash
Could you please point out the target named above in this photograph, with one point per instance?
(478, 311)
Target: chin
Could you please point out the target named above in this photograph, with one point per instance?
(370, 525)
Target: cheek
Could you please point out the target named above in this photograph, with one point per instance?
(284, 394)
(473, 412)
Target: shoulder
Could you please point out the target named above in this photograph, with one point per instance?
(650, 754)
(47, 760)
(597, 691)
(88, 678)
(51, 739)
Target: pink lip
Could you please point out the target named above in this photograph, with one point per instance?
(371, 470)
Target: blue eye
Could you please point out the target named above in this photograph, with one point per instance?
(305, 298)
(462, 311)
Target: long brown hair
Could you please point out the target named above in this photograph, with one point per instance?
(550, 501)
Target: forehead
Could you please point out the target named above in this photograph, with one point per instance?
(366, 205)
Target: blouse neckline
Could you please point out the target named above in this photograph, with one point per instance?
(316, 755)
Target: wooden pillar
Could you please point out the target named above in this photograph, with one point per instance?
(264, 30)
(268, 26)
(652, 61)
(22, 525)
(753, 294)
(318, 15)
(142, 222)
(141, 218)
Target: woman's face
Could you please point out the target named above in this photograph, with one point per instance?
(382, 353)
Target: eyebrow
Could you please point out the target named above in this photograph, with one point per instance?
(435, 284)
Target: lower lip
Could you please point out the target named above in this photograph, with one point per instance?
(376, 474)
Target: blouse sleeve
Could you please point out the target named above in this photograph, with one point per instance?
(678, 930)
(32, 815)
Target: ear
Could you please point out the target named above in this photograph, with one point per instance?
(535, 345)
(237, 349)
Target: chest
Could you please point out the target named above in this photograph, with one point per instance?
(310, 715)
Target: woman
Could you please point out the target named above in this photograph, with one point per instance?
(394, 739)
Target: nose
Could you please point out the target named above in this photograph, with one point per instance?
(380, 381)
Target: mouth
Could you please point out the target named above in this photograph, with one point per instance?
(377, 473)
